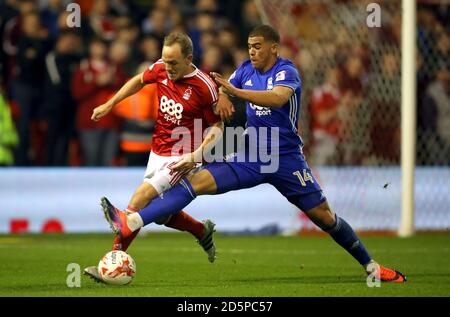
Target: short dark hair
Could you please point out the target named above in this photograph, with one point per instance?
(267, 32)
(182, 39)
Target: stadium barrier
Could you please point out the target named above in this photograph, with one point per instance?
(67, 200)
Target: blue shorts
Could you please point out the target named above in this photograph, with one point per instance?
(293, 178)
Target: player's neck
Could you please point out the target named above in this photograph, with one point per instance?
(269, 65)
(189, 70)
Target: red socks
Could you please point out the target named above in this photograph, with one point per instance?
(183, 222)
(180, 221)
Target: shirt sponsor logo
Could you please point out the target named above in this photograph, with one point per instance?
(173, 111)
(260, 111)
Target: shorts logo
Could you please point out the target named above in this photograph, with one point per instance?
(173, 110)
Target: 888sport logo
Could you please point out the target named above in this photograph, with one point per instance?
(173, 110)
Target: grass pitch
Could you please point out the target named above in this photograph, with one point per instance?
(172, 264)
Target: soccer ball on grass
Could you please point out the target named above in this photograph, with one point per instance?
(117, 268)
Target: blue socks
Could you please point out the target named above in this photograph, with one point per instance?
(171, 202)
(344, 235)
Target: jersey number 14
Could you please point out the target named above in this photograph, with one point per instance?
(303, 178)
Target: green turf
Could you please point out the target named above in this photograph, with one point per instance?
(172, 264)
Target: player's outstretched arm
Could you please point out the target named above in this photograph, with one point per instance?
(131, 87)
(188, 161)
(274, 98)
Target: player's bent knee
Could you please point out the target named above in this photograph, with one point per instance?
(322, 216)
(203, 182)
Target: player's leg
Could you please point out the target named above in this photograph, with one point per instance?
(125, 226)
(297, 183)
(158, 178)
(143, 195)
(216, 178)
(159, 182)
(346, 237)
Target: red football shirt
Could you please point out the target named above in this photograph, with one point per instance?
(185, 109)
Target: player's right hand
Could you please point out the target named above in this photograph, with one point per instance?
(224, 108)
(101, 111)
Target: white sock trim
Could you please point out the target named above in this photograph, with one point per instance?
(134, 221)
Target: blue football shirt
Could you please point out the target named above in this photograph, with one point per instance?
(285, 118)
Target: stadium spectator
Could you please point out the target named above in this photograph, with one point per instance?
(157, 24)
(384, 126)
(59, 106)
(119, 55)
(28, 83)
(11, 30)
(435, 116)
(101, 22)
(210, 6)
(8, 135)
(250, 18)
(94, 81)
(325, 125)
(150, 49)
(138, 113)
(50, 15)
(211, 59)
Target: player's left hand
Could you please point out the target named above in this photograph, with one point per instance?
(185, 164)
(227, 87)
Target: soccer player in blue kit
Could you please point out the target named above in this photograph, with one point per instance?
(271, 87)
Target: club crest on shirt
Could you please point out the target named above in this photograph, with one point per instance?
(281, 75)
(187, 94)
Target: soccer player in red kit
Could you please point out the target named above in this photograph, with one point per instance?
(186, 97)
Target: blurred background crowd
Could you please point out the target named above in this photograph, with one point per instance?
(351, 79)
(52, 76)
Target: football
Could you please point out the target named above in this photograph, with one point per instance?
(117, 268)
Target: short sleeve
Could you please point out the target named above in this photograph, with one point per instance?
(208, 110)
(150, 75)
(236, 78)
(287, 76)
(210, 116)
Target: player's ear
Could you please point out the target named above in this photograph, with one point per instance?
(274, 48)
(189, 58)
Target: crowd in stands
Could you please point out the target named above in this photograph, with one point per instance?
(52, 76)
(352, 81)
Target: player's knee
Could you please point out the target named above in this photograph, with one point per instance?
(147, 191)
(203, 183)
(322, 216)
